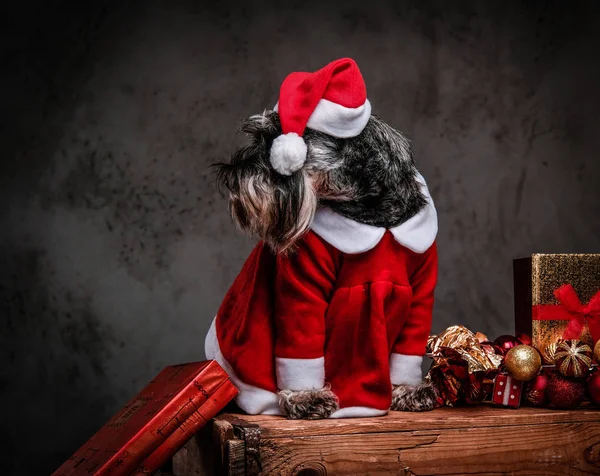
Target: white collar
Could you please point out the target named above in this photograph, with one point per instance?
(417, 233)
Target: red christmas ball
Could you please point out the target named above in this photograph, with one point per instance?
(593, 388)
(492, 348)
(535, 390)
(565, 393)
(507, 342)
(524, 338)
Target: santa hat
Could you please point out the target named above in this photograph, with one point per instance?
(332, 100)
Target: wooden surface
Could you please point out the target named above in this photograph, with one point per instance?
(450, 441)
(442, 418)
(527, 450)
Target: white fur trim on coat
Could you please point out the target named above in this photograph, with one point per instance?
(406, 369)
(257, 401)
(300, 374)
(417, 233)
(337, 120)
(251, 399)
(357, 412)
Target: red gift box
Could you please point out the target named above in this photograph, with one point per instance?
(507, 391)
(145, 433)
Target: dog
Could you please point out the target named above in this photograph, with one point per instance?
(330, 315)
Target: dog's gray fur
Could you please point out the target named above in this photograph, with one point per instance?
(308, 404)
(414, 398)
(370, 178)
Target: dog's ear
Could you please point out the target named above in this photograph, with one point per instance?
(274, 207)
(262, 128)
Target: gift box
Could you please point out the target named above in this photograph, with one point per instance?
(159, 420)
(557, 296)
(507, 391)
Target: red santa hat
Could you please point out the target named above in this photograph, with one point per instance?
(332, 100)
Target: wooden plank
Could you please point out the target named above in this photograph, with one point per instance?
(235, 457)
(206, 453)
(552, 449)
(442, 418)
(196, 458)
(222, 432)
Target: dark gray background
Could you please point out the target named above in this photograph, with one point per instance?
(116, 247)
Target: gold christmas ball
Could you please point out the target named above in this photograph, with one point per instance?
(549, 353)
(597, 352)
(523, 362)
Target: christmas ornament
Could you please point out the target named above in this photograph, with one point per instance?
(524, 338)
(523, 362)
(491, 348)
(481, 337)
(565, 393)
(507, 342)
(593, 388)
(462, 368)
(431, 340)
(535, 390)
(573, 358)
(507, 391)
(462, 341)
(549, 353)
(597, 352)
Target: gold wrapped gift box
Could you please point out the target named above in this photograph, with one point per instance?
(556, 292)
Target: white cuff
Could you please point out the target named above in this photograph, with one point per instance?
(300, 374)
(405, 369)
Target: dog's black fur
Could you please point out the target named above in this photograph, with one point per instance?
(370, 178)
(379, 166)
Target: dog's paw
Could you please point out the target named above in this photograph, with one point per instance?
(414, 398)
(308, 404)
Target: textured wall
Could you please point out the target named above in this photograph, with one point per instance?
(116, 246)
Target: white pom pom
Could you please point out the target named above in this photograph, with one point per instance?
(288, 153)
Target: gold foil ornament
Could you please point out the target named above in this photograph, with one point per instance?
(597, 352)
(523, 362)
(549, 353)
(481, 337)
(463, 368)
(573, 358)
(466, 344)
(430, 343)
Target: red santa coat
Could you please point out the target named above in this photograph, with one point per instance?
(351, 307)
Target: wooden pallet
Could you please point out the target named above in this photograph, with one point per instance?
(478, 440)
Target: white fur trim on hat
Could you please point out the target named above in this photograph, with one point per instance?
(339, 121)
(336, 120)
(288, 153)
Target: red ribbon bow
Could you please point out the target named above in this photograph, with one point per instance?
(581, 314)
